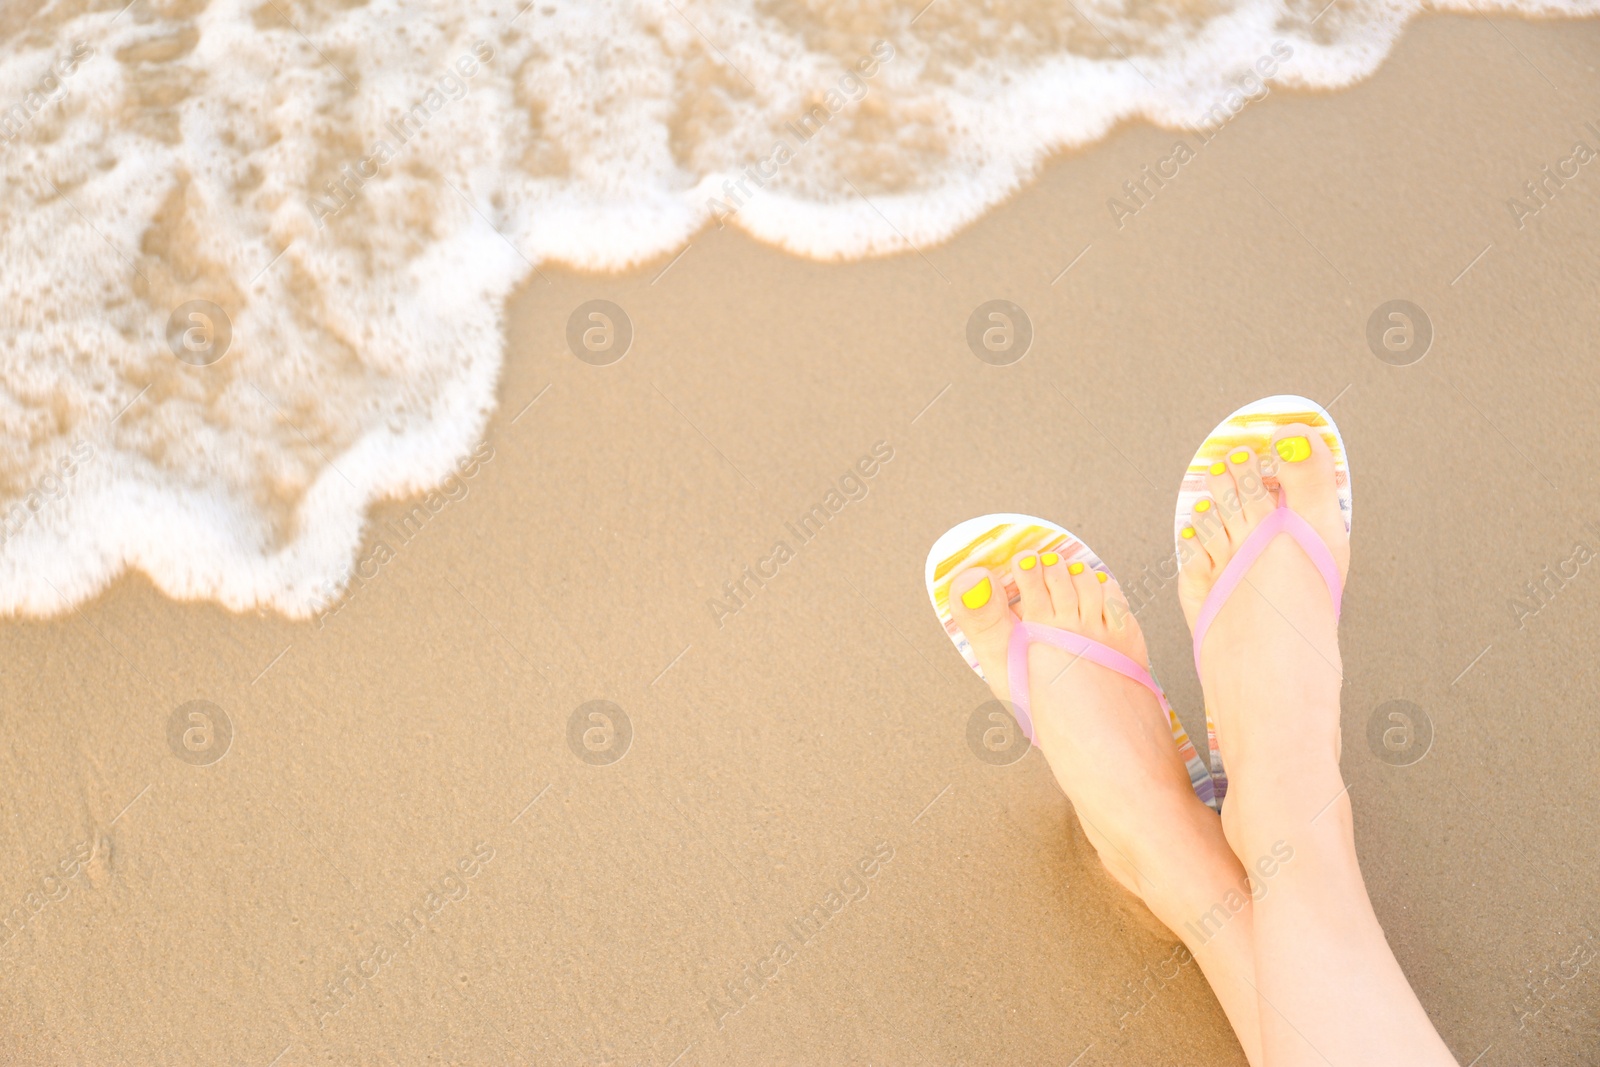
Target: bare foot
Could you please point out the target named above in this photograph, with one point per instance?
(1276, 635)
(1106, 737)
(1270, 664)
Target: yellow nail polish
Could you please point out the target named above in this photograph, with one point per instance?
(1204, 505)
(1188, 532)
(1075, 568)
(1051, 559)
(1240, 456)
(1028, 562)
(1219, 468)
(977, 596)
(1100, 576)
(1293, 449)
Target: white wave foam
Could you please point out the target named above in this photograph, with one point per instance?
(168, 153)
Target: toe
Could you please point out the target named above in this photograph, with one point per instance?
(1197, 569)
(1307, 477)
(1035, 606)
(1227, 509)
(1063, 598)
(978, 606)
(1115, 611)
(1255, 498)
(1211, 535)
(1091, 601)
(1305, 466)
(1191, 550)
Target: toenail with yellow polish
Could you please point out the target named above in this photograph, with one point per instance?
(1050, 559)
(977, 596)
(1100, 576)
(1240, 456)
(1204, 505)
(1188, 532)
(1293, 449)
(1028, 563)
(1219, 468)
(1075, 568)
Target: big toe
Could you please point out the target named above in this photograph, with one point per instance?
(978, 606)
(1309, 481)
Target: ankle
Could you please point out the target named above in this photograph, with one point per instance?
(1299, 807)
(1283, 749)
(1192, 871)
(1208, 900)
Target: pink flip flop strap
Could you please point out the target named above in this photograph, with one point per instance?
(1025, 634)
(1283, 520)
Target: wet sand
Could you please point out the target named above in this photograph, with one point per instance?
(409, 850)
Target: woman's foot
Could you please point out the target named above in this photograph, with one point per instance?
(1106, 737)
(1270, 665)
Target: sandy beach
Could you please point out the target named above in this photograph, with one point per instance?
(583, 746)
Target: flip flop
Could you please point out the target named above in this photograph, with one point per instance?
(992, 541)
(1252, 426)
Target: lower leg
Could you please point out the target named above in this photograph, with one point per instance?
(1207, 877)
(1331, 990)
